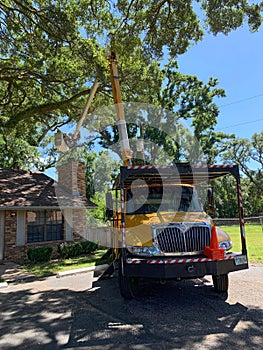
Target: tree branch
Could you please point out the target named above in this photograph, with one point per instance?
(43, 109)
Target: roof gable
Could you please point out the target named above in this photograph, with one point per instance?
(20, 188)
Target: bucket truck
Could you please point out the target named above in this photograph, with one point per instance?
(161, 230)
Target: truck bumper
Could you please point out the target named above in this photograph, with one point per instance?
(170, 268)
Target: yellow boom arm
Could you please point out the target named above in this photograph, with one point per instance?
(124, 140)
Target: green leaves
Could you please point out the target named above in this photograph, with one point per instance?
(52, 51)
(17, 153)
(248, 154)
(225, 16)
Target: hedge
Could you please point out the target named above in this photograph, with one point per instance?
(40, 254)
(72, 250)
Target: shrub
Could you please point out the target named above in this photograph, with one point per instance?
(72, 250)
(40, 254)
(89, 247)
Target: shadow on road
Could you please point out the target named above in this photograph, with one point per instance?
(181, 315)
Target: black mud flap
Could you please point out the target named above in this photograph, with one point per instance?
(108, 272)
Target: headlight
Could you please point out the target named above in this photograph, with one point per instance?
(225, 244)
(224, 240)
(145, 251)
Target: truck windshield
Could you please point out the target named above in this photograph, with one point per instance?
(144, 200)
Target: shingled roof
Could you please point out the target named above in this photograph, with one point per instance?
(20, 188)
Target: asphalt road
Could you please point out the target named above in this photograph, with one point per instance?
(80, 312)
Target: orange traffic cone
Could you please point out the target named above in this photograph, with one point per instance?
(213, 251)
(214, 239)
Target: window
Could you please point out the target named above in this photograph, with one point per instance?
(145, 200)
(44, 225)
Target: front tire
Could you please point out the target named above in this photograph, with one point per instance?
(128, 285)
(220, 283)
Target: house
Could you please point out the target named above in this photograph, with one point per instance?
(36, 210)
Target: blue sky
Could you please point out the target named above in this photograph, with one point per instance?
(236, 60)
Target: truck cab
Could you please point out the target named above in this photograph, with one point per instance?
(167, 220)
(162, 231)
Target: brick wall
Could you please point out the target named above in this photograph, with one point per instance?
(12, 252)
(10, 248)
(72, 175)
(19, 253)
(79, 222)
(78, 234)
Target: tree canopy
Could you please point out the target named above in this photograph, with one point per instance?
(248, 155)
(52, 51)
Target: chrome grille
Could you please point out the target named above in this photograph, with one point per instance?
(182, 238)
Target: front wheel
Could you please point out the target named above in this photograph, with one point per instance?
(220, 283)
(128, 285)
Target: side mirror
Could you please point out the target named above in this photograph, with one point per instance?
(211, 203)
(109, 205)
(109, 213)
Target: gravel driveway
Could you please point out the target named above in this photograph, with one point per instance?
(80, 312)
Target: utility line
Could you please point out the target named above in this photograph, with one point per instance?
(239, 101)
(244, 123)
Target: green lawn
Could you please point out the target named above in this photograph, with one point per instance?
(55, 266)
(254, 239)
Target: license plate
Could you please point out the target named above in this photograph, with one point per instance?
(240, 260)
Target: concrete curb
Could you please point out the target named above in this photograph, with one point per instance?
(82, 270)
(3, 285)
